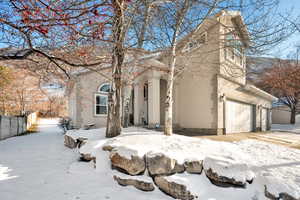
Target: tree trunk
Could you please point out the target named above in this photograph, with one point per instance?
(128, 89)
(293, 115)
(169, 96)
(113, 126)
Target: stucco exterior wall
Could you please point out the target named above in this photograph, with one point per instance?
(197, 86)
(89, 84)
(72, 105)
(82, 100)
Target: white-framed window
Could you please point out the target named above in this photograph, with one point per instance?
(101, 100)
(234, 49)
(195, 43)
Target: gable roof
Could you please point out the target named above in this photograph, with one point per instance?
(239, 24)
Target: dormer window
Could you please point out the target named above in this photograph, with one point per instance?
(195, 43)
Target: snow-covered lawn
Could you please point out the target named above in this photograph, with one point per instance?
(38, 166)
(274, 166)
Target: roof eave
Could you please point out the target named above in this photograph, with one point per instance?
(259, 92)
(238, 20)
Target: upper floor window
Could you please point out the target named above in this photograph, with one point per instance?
(195, 42)
(101, 99)
(234, 49)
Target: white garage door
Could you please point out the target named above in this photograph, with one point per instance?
(264, 119)
(239, 117)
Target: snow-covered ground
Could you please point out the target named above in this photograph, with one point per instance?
(293, 128)
(286, 133)
(38, 166)
(274, 166)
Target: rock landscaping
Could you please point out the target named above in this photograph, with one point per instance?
(144, 184)
(173, 188)
(127, 160)
(176, 165)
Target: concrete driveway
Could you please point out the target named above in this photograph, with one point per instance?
(287, 135)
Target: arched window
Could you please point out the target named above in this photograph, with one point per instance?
(101, 99)
(104, 88)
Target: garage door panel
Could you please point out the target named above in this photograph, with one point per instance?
(239, 117)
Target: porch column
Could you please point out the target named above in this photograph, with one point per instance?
(138, 95)
(154, 99)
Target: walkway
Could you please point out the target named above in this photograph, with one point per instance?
(39, 167)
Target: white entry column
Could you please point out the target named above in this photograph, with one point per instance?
(138, 96)
(154, 99)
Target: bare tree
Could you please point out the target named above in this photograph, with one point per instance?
(282, 80)
(21, 94)
(53, 29)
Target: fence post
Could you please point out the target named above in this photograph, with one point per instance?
(0, 127)
(10, 132)
(18, 118)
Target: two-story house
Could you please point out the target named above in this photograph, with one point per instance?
(211, 95)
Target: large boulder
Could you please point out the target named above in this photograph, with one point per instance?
(70, 142)
(226, 172)
(127, 160)
(174, 188)
(107, 147)
(86, 150)
(178, 168)
(144, 184)
(87, 157)
(193, 166)
(160, 164)
(281, 195)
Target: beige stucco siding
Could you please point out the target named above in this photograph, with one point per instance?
(197, 86)
(87, 87)
(196, 105)
(72, 106)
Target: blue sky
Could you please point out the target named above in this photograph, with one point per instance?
(289, 46)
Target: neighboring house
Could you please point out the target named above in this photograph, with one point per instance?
(281, 114)
(211, 95)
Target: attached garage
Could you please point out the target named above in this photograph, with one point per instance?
(239, 117)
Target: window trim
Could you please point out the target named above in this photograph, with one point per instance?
(234, 52)
(95, 104)
(102, 85)
(195, 40)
